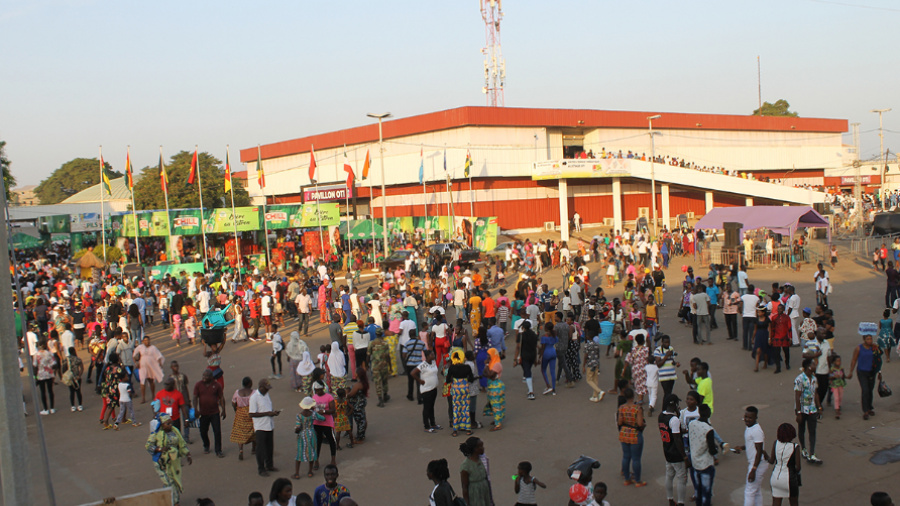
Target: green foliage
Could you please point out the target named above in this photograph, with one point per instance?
(72, 177)
(779, 108)
(8, 179)
(148, 191)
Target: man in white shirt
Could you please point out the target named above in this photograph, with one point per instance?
(67, 339)
(406, 325)
(303, 302)
(265, 310)
(459, 302)
(203, 301)
(263, 417)
(748, 303)
(576, 296)
(743, 286)
(757, 463)
(700, 306)
(792, 309)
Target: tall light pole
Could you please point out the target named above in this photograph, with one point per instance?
(653, 173)
(882, 154)
(381, 117)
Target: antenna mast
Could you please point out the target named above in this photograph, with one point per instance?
(494, 66)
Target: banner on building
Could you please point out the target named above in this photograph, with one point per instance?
(187, 221)
(486, 231)
(85, 222)
(327, 193)
(160, 271)
(564, 169)
(222, 221)
(58, 224)
(325, 215)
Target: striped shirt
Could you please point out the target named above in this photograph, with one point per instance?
(414, 350)
(667, 371)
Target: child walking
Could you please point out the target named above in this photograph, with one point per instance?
(526, 485)
(837, 381)
(277, 349)
(342, 418)
(306, 436)
(125, 402)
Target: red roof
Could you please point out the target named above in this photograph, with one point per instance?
(239, 174)
(553, 118)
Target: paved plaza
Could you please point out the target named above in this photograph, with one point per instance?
(88, 463)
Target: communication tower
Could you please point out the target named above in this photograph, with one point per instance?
(494, 66)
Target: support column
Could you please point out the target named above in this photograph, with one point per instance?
(666, 217)
(709, 201)
(563, 210)
(748, 201)
(617, 204)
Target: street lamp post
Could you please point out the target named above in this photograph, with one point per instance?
(381, 117)
(883, 155)
(653, 173)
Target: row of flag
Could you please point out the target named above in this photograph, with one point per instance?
(260, 173)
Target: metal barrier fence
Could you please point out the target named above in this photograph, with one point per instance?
(780, 258)
(864, 246)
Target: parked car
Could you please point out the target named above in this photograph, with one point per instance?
(444, 250)
(397, 258)
(499, 251)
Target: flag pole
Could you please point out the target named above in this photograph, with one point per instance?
(102, 211)
(424, 191)
(471, 191)
(137, 244)
(237, 241)
(166, 193)
(319, 219)
(265, 221)
(200, 191)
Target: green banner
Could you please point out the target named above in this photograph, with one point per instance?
(328, 215)
(160, 271)
(280, 217)
(25, 241)
(159, 224)
(258, 261)
(222, 221)
(486, 230)
(186, 222)
(58, 224)
(60, 237)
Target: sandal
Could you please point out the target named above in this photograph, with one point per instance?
(468, 433)
(454, 434)
(495, 428)
(309, 474)
(295, 477)
(241, 455)
(315, 466)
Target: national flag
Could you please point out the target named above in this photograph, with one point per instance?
(349, 170)
(421, 166)
(366, 166)
(312, 164)
(260, 174)
(163, 177)
(468, 164)
(227, 174)
(445, 160)
(193, 174)
(105, 177)
(128, 172)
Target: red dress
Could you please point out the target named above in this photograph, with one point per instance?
(781, 331)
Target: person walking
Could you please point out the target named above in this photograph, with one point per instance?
(460, 377)
(150, 363)
(757, 460)
(731, 309)
(630, 420)
(380, 358)
(673, 451)
(867, 363)
(785, 459)
(426, 375)
(664, 355)
(168, 448)
(263, 416)
(242, 431)
(473, 475)
(703, 452)
(700, 304)
(209, 404)
(808, 407)
(749, 302)
(780, 338)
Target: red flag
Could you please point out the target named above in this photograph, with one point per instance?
(128, 172)
(366, 166)
(349, 170)
(193, 173)
(312, 164)
(227, 174)
(163, 177)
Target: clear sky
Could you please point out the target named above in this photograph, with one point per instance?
(79, 73)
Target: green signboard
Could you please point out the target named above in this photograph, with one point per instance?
(58, 224)
(186, 221)
(322, 214)
(222, 221)
(160, 271)
(486, 230)
(279, 217)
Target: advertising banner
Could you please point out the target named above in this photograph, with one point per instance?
(563, 169)
(160, 271)
(327, 193)
(280, 217)
(85, 222)
(58, 224)
(159, 224)
(222, 221)
(186, 221)
(486, 230)
(464, 230)
(328, 214)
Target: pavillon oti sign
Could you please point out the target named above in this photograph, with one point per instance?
(327, 193)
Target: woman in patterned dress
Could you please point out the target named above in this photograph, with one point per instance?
(168, 448)
(110, 389)
(306, 436)
(573, 352)
(637, 358)
(342, 414)
(496, 390)
(460, 376)
(337, 368)
(242, 429)
(358, 401)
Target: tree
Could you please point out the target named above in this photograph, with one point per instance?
(8, 179)
(779, 108)
(72, 177)
(148, 190)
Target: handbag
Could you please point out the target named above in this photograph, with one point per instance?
(883, 389)
(68, 377)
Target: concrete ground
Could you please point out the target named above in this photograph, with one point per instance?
(88, 463)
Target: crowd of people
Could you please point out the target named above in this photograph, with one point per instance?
(454, 330)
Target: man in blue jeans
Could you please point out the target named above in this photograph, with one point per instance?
(703, 451)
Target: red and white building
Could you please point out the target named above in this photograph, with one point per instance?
(510, 146)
